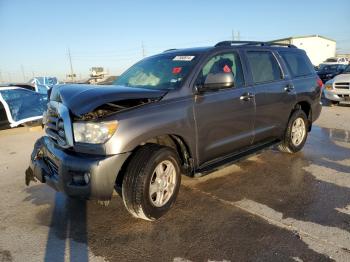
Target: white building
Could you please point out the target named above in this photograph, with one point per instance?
(317, 47)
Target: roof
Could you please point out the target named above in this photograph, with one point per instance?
(305, 36)
(226, 45)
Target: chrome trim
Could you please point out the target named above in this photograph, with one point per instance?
(52, 131)
(64, 114)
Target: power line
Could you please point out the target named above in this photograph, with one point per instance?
(71, 66)
(23, 75)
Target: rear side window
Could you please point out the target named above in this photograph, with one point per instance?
(264, 66)
(297, 64)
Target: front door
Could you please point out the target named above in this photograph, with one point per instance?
(225, 117)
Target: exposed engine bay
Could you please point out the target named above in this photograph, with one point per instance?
(111, 108)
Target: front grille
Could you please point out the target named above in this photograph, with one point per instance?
(54, 125)
(58, 125)
(342, 85)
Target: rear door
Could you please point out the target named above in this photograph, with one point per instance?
(303, 74)
(224, 118)
(274, 94)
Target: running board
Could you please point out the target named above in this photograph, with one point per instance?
(232, 158)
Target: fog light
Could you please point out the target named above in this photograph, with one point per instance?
(78, 180)
(87, 178)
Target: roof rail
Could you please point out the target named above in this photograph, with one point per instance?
(254, 43)
(168, 50)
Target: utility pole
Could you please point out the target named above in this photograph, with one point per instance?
(233, 35)
(23, 75)
(71, 66)
(143, 50)
(239, 36)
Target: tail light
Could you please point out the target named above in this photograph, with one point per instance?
(320, 85)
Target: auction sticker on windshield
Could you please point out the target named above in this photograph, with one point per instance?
(183, 58)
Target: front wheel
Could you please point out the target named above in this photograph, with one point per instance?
(151, 181)
(296, 133)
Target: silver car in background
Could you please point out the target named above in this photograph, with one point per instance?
(338, 89)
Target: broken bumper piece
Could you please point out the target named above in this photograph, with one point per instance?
(77, 175)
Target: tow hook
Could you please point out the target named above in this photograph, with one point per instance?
(38, 155)
(29, 176)
(29, 172)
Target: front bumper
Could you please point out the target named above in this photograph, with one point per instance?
(340, 95)
(64, 170)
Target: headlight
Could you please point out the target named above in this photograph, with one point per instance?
(328, 86)
(94, 133)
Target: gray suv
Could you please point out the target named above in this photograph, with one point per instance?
(188, 111)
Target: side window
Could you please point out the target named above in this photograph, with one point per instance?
(297, 64)
(223, 63)
(264, 66)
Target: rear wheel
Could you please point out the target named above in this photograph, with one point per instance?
(151, 182)
(296, 133)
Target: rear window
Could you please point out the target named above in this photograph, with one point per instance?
(297, 64)
(264, 66)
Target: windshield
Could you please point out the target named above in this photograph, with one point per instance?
(166, 71)
(332, 60)
(324, 67)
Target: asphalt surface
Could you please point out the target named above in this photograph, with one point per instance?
(270, 207)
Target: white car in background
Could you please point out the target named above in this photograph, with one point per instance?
(338, 89)
(20, 106)
(336, 60)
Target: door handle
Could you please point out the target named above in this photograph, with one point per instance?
(247, 96)
(289, 88)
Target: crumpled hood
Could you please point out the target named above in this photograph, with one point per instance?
(342, 78)
(82, 99)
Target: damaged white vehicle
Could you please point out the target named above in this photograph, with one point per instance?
(19, 106)
(337, 90)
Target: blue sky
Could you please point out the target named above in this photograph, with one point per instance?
(36, 34)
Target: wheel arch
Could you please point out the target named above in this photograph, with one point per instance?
(306, 107)
(173, 141)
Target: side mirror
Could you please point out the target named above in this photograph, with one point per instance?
(218, 81)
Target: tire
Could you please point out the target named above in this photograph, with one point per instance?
(141, 177)
(290, 143)
(334, 103)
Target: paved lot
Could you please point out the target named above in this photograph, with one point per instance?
(271, 207)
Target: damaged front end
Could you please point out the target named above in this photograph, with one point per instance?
(72, 162)
(113, 107)
(84, 99)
